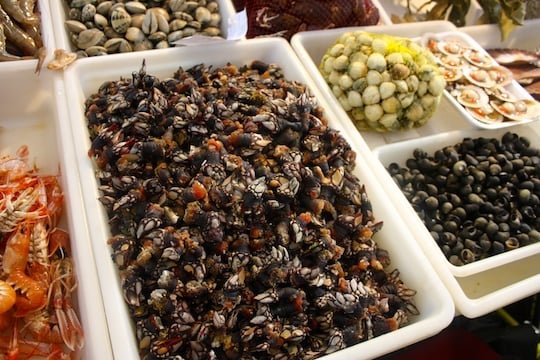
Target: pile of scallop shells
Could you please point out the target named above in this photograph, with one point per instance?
(98, 27)
(480, 84)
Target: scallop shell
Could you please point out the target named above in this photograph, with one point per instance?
(501, 93)
(471, 96)
(453, 48)
(501, 75)
(452, 62)
(451, 74)
(479, 77)
(525, 109)
(120, 20)
(479, 58)
(485, 114)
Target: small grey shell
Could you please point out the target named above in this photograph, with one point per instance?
(96, 50)
(135, 7)
(203, 15)
(104, 7)
(75, 26)
(87, 12)
(120, 20)
(134, 34)
(90, 37)
(100, 21)
(118, 45)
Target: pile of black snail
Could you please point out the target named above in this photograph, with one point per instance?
(478, 198)
(238, 226)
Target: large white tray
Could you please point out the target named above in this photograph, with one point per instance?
(83, 78)
(33, 113)
(489, 285)
(513, 87)
(47, 36)
(59, 10)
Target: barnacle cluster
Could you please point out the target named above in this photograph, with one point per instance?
(237, 224)
(384, 83)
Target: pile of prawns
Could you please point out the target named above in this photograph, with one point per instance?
(37, 277)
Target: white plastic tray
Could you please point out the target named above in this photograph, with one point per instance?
(59, 10)
(83, 78)
(479, 293)
(33, 113)
(513, 87)
(47, 36)
(522, 37)
(401, 151)
(482, 286)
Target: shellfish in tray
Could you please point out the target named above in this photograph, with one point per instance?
(471, 96)
(479, 77)
(485, 89)
(524, 109)
(485, 114)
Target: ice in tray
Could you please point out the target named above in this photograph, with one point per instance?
(84, 78)
(32, 114)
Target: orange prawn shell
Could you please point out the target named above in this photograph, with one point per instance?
(7, 297)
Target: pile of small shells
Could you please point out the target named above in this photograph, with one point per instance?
(238, 226)
(98, 27)
(478, 198)
(480, 84)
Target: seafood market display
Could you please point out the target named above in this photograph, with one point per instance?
(37, 275)
(478, 198)
(20, 32)
(110, 26)
(383, 82)
(479, 84)
(237, 224)
(285, 18)
(524, 65)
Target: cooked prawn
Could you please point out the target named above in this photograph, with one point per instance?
(36, 268)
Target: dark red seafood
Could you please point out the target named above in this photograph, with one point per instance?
(508, 56)
(524, 64)
(285, 18)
